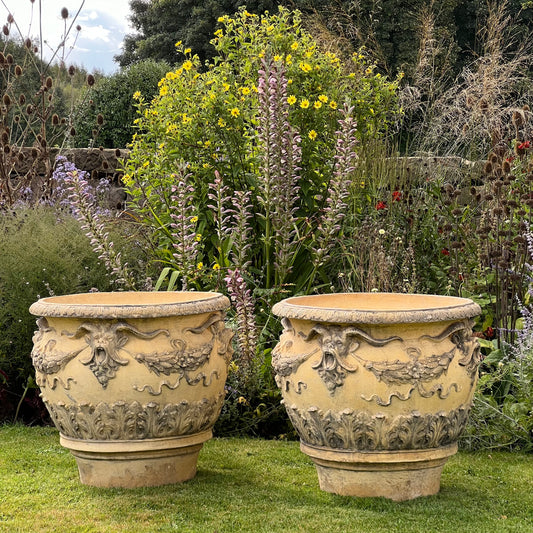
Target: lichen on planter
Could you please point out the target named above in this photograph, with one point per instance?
(133, 381)
(378, 386)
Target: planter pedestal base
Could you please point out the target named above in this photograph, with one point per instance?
(396, 475)
(136, 463)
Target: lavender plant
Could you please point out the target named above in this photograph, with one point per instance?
(72, 188)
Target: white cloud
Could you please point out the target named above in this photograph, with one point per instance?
(104, 23)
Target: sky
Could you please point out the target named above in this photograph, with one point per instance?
(104, 23)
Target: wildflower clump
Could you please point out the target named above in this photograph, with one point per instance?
(211, 117)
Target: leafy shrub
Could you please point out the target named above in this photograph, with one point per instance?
(107, 117)
(242, 172)
(40, 255)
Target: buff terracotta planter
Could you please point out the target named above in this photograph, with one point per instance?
(378, 386)
(134, 382)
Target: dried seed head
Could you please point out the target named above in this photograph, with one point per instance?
(7, 100)
(506, 167)
(117, 153)
(5, 30)
(105, 165)
(29, 109)
(55, 120)
(18, 70)
(34, 152)
(7, 149)
(487, 169)
(71, 70)
(518, 118)
(100, 119)
(72, 132)
(90, 80)
(64, 13)
(10, 18)
(9, 59)
(48, 82)
(4, 137)
(27, 43)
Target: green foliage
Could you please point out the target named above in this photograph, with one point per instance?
(106, 119)
(40, 255)
(161, 23)
(210, 120)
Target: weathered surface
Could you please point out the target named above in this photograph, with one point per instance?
(378, 386)
(134, 382)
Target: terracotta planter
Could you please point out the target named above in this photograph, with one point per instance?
(133, 381)
(378, 386)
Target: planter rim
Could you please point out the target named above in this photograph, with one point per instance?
(376, 308)
(129, 304)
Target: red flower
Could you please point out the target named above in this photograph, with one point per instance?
(524, 145)
(396, 196)
(381, 205)
(444, 251)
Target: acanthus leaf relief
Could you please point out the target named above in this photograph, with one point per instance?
(360, 430)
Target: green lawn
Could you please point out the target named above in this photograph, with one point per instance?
(252, 485)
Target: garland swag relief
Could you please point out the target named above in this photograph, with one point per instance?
(338, 347)
(105, 339)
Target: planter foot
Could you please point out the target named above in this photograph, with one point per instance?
(396, 475)
(140, 463)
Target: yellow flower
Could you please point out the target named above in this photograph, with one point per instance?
(187, 65)
(198, 237)
(194, 220)
(291, 99)
(207, 143)
(163, 91)
(305, 67)
(304, 104)
(216, 266)
(323, 98)
(185, 119)
(368, 70)
(178, 44)
(294, 46)
(219, 33)
(312, 135)
(317, 105)
(187, 51)
(137, 95)
(277, 58)
(235, 112)
(200, 265)
(245, 90)
(288, 59)
(172, 128)
(333, 104)
(225, 86)
(221, 123)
